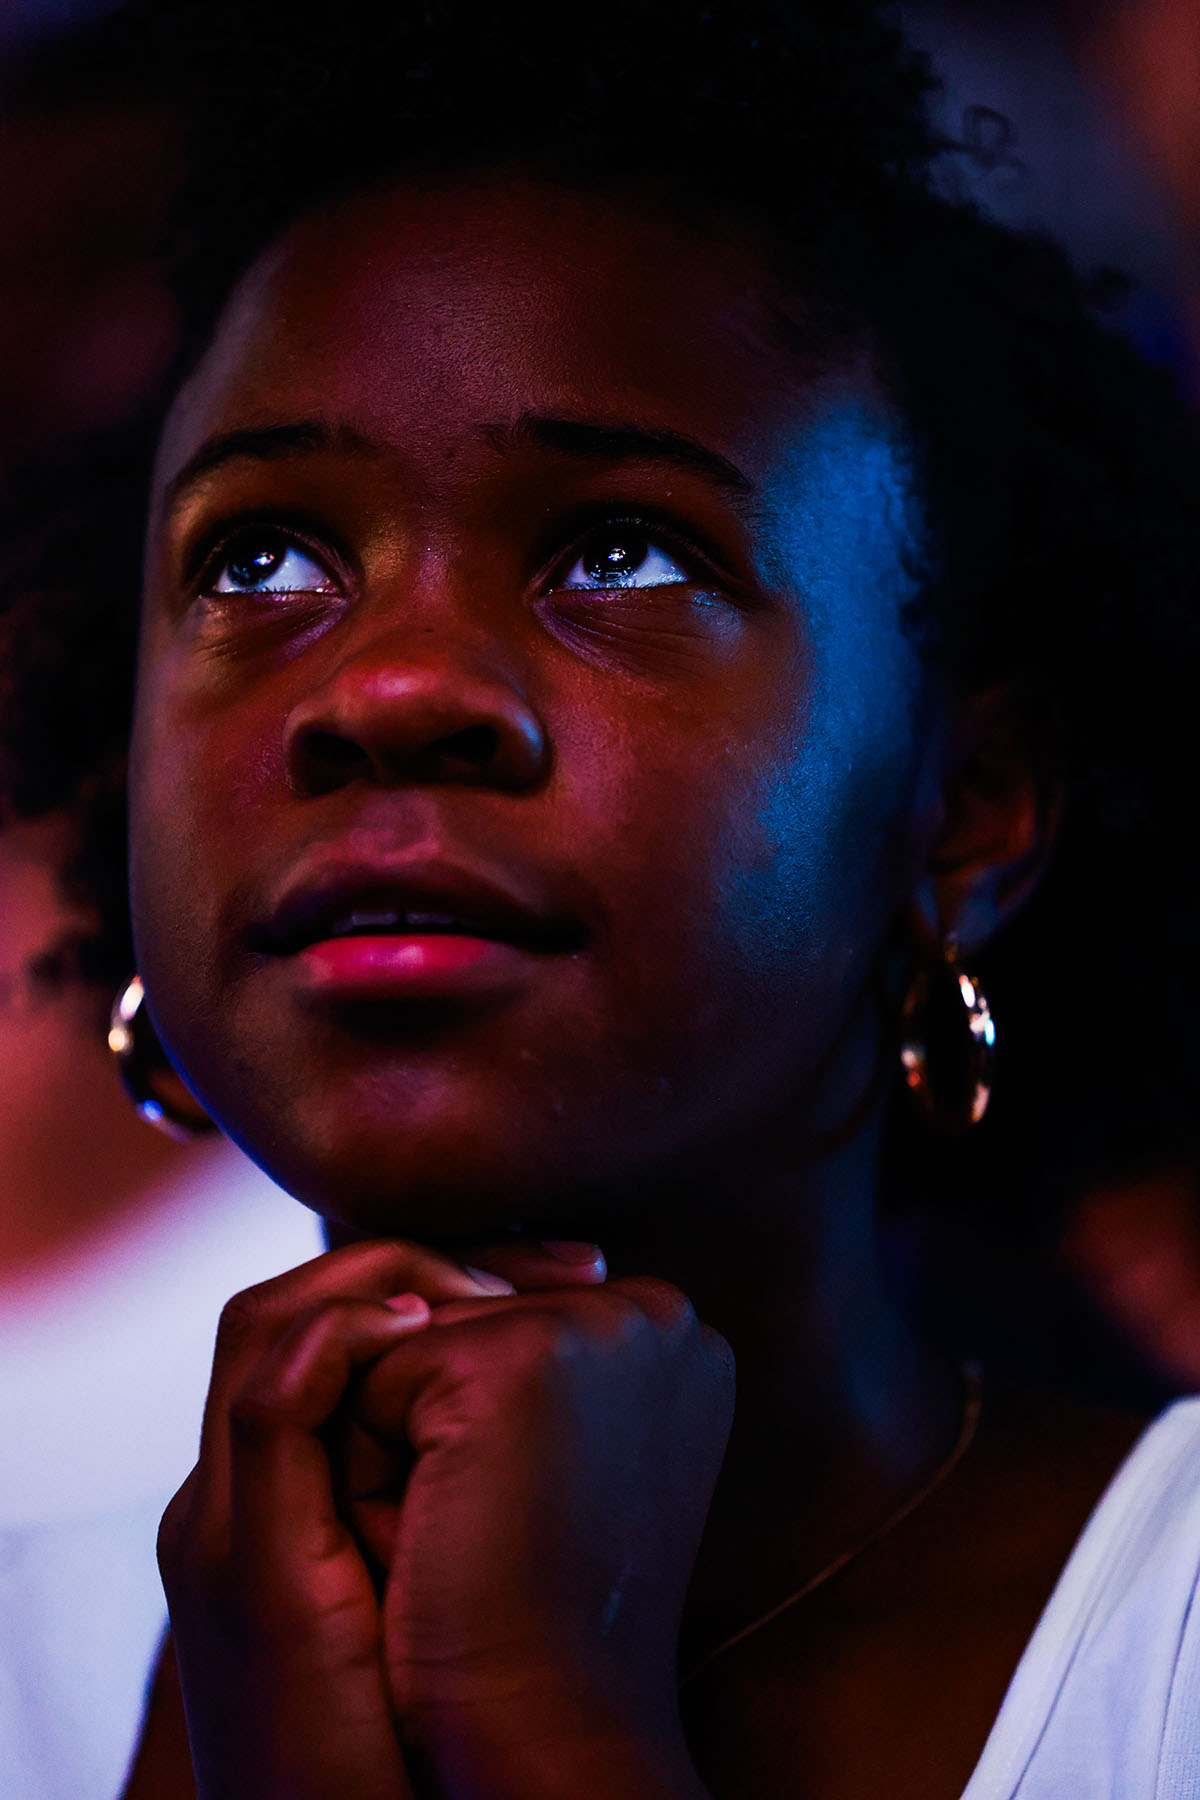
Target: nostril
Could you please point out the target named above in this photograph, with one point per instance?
(327, 759)
(471, 750)
(414, 726)
(336, 751)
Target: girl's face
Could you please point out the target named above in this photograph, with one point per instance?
(530, 758)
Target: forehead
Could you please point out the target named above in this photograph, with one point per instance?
(439, 310)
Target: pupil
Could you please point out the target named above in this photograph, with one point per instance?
(620, 556)
(252, 566)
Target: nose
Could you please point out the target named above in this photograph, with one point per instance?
(394, 713)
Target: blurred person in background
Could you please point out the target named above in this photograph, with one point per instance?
(1084, 122)
(1135, 1244)
(118, 1245)
(1145, 57)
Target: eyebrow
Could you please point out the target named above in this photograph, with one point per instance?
(577, 438)
(266, 443)
(619, 442)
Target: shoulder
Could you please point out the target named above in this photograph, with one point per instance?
(1136, 1566)
(1106, 1698)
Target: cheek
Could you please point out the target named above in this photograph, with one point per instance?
(819, 854)
(201, 778)
(808, 895)
(760, 883)
(837, 812)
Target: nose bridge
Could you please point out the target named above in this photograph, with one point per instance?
(422, 688)
(435, 606)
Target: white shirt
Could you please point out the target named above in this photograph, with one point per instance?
(103, 1374)
(1105, 1703)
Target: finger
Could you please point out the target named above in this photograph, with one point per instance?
(284, 1633)
(254, 1320)
(533, 1265)
(285, 1523)
(669, 1308)
(665, 1307)
(642, 1309)
(475, 1347)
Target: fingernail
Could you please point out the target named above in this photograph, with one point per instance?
(491, 1284)
(568, 1251)
(408, 1307)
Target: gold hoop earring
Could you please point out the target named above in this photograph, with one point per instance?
(965, 1105)
(147, 1077)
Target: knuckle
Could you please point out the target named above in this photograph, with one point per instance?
(255, 1413)
(187, 1547)
(260, 1311)
(663, 1305)
(172, 1530)
(321, 1340)
(720, 1355)
(542, 1347)
(325, 1321)
(546, 1336)
(599, 1323)
(619, 1324)
(178, 1568)
(242, 1319)
(353, 1263)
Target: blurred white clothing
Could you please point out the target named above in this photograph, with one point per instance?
(103, 1372)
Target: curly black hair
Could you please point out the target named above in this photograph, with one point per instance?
(1059, 474)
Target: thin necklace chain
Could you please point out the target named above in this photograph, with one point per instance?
(972, 1407)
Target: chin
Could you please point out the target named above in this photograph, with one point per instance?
(434, 1176)
(455, 1147)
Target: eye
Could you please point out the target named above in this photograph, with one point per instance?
(267, 563)
(622, 556)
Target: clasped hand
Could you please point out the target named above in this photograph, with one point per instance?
(438, 1540)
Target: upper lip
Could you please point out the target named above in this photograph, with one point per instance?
(342, 897)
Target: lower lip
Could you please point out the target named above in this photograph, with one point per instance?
(430, 967)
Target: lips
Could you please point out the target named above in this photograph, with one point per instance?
(407, 900)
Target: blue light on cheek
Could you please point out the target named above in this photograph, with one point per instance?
(844, 531)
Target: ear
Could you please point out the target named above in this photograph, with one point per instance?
(1001, 803)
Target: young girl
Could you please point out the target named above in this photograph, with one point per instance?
(638, 596)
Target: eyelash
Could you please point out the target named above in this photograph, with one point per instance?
(215, 551)
(210, 558)
(661, 533)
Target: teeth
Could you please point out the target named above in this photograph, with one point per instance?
(391, 920)
(368, 921)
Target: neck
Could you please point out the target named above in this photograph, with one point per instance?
(841, 1410)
